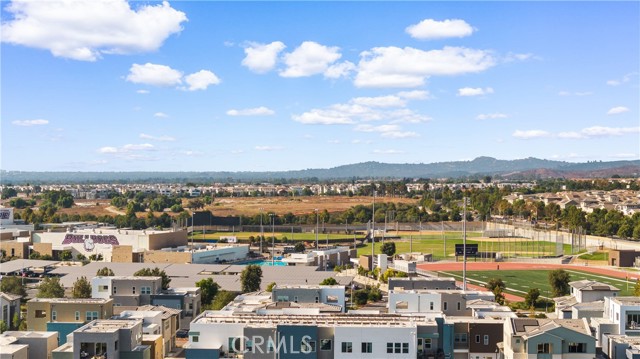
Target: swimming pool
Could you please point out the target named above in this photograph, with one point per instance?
(267, 263)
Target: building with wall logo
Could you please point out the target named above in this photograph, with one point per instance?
(103, 241)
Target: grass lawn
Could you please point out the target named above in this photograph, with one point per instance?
(595, 256)
(436, 245)
(520, 281)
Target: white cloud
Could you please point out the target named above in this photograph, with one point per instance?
(191, 153)
(530, 134)
(262, 58)
(127, 148)
(430, 29)
(601, 131)
(381, 128)
(617, 110)
(142, 92)
(334, 142)
(160, 115)
(380, 101)
(567, 93)
(157, 138)
(626, 155)
(323, 117)
(257, 111)
(85, 30)
(29, 123)
(339, 70)
(388, 152)
(624, 79)
(268, 148)
(400, 134)
(201, 80)
(153, 74)
(491, 116)
(478, 91)
(410, 67)
(570, 135)
(511, 57)
(310, 58)
(415, 95)
(407, 116)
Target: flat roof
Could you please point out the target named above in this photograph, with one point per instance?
(28, 334)
(108, 326)
(627, 300)
(17, 265)
(343, 320)
(71, 300)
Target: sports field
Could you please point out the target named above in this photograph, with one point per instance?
(519, 282)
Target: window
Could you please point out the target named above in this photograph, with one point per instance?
(77, 315)
(577, 347)
(460, 338)
(389, 348)
(633, 321)
(133, 290)
(347, 347)
(445, 306)
(430, 305)
(89, 316)
(405, 348)
(248, 345)
(486, 340)
(396, 347)
(317, 299)
(114, 290)
(427, 343)
(544, 348)
(54, 315)
(41, 313)
(458, 305)
(116, 344)
(308, 346)
(103, 288)
(332, 299)
(517, 341)
(145, 290)
(195, 339)
(295, 299)
(402, 304)
(325, 344)
(477, 339)
(367, 347)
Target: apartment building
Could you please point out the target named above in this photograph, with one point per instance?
(448, 302)
(547, 338)
(105, 339)
(126, 290)
(9, 307)
(157, 321)
(472, 338)
(186, 300)
(33, 344)
(327, 294)
(64, 315)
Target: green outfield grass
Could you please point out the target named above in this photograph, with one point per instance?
(436, 246)
(520, 281)
(595, 256)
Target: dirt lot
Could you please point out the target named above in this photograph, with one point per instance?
(250, 205)
(297, 205)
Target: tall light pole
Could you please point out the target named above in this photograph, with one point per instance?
(373, 229)
(317, 222)
(273, 237)
(464, 244)
(261, 231)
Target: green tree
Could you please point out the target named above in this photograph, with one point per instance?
(155, 272)
(223, 298)
(270, 287)
(250, 278)
(66, 256)
(329, 281)
(531, 298)
(392, 273)
(299, 247)
(388, 248)
(208, 289)
(636, 289)
(17, 321)
(9, 192)
(559, 282)
(81, 288)
(494, 283)
(50, 288)
(3, 326)
(13, 285)
(105, 272)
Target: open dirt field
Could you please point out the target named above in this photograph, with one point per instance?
(296, 205)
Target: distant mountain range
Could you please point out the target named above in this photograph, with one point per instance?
(528, 168)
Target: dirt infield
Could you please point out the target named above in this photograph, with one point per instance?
(488, 266)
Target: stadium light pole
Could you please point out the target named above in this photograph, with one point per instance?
(464, 244)
(261, 231)
(317, 223)
(373, 228)
(273, 237)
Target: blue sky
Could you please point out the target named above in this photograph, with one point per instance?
(256, 86)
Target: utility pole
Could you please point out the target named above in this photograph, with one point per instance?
(273, 237)
(373, 228)
(261, 231)
(316, 228)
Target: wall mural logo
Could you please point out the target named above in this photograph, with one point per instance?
(5, 214)
(90, 240)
